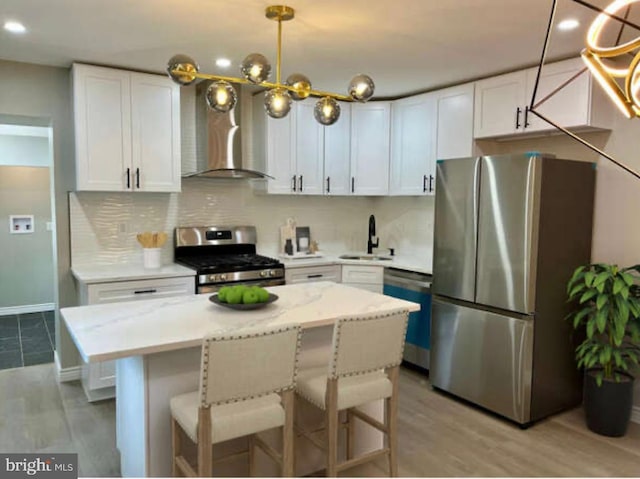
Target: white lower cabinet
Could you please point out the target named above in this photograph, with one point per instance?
(99, 379)
(309, 274)
(363, 277)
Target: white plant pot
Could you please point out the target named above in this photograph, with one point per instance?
(152, 258)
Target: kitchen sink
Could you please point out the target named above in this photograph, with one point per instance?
(366, 257)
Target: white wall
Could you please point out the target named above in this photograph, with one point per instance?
(104, 225)
(21, 150)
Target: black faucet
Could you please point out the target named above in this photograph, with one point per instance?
(372, 233)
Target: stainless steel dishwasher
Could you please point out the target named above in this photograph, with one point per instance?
(415, 287)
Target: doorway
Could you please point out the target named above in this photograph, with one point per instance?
(27, 246)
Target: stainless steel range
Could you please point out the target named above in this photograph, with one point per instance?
(225, 255)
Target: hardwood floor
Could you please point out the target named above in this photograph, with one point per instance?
(438, 436)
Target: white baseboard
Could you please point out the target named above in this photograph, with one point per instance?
(67, 374)
(29, 308)
(635, 414)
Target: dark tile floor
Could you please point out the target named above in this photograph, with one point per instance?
(27, 339)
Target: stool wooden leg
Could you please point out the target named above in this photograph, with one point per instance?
(205, 454)
(391, 410)
(175, 447)
(287, 434)
(350, 434)
(331, 411)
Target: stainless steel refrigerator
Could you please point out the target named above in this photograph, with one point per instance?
(509, 231)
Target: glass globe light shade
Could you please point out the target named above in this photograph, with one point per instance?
(326, 111)
(255, 68)
(183, 63)
(221, 96)
(301, 83)
(361, 88)
(277, 102)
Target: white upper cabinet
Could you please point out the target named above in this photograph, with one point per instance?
(309, 148)
(294, 148)
(499, 105)
(502, 102)
(337, 154)
(370, 148)
(127, 130)
(454, 138)
(413, 145)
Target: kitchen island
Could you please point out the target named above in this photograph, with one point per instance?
(157, 345)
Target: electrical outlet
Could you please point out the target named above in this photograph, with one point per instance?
(122, 228)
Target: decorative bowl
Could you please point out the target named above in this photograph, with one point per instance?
(243, 307)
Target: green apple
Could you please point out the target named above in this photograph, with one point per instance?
(234, 296)
(222, 294)
(250, 297)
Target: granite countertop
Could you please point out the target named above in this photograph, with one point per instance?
(127, 272)
(109, 331)
(407, 262)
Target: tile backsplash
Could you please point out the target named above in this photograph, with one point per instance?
(104, 225)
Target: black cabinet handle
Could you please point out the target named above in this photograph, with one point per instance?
(431, 178)
(353, 185)
(300, 183)
(138, 178)
(145, 291)
(526, 117)
(128, 178)
(424, 183)
(518, 111)
(328, 184)
(311, 276)
(294, 182)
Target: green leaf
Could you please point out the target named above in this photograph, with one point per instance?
(579, 287)
(627, 278)
(587, 296)
(599, 379)
(601, 278)
(601, 320)
(590, 328)
(618, 284)
(601, 300)
(589, 276)
(575, 276)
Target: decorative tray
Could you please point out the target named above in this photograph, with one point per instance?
(243, 307)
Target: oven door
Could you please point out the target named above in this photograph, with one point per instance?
(213, 288)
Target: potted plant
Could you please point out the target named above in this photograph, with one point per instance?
(608, 312)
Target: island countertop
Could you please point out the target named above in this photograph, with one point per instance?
(117, 330)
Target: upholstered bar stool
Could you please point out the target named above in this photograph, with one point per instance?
(246, 387)
(366, 354)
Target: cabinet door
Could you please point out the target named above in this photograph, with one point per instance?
(155, 115)
(309, 152)
(413, 145)
(499, 105)
(280, 145)
(455, 123)
(102, 116)
(370, 124)
(337, 153)
(309, 274)
(569, 107)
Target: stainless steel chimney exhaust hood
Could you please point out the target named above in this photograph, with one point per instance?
(219, 142)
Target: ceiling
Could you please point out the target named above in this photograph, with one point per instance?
(406, 46)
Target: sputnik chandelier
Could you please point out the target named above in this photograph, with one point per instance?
(255, 68)
(617, 68)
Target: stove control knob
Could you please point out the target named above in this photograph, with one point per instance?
(223, 277)
(212, 278)
(264, 274)
(272, 272)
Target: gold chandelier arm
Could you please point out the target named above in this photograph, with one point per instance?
(279, 51)
(243, 81)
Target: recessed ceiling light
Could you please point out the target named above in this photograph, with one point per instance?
(14, 27)
(223, 62)
(568, 24)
